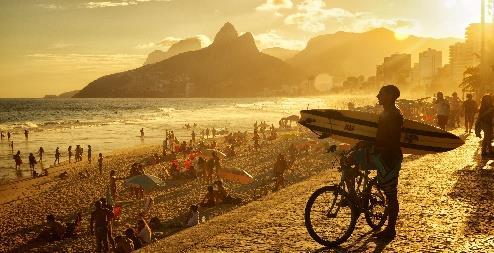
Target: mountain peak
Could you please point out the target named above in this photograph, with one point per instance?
(226, 34)
(247, 42)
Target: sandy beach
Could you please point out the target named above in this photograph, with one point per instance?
(26, 203)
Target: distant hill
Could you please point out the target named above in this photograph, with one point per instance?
(68, 94)
(344, 54)
(182, 46)
(280, 53)
(231, 66)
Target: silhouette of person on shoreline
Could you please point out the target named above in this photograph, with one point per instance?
(8, 135)
(100, 163)
(484, 124)
(1, 135)
(69, 150)
(89, 151)
(26, 133)
(11, 144)
(18, 160)
(57, 156)
(142, 132)
(32, 163)
(41, 151)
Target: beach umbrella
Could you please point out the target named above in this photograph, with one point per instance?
(209, 153)
(236, 175)
(147, 182)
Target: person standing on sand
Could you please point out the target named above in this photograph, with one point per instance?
(26, 134)
(32, 163)
(441, 106)
(193, 135)
(388, 153)
(1, 135)
(484, 124)
(207, 133)
(89, 150)
(41, 151)
(99, 223)
(18, 160)
(469, 109)
(214, 132)
(113, 184)
(11, 146)
(455, 105)
(8, 136)
(100, 163)
(280, 166)
(57, 156)
(142, 132)
(69, 150)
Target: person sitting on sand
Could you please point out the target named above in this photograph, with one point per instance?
(222, 196)
(99, 224)
(32, 163)
(280, 166)
(73, 228)
(123, 244)
(209, 199)
(130, 233)
(63, 175)
(143, 232)
(53, 231)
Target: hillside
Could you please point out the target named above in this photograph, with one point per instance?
(345, 54)
(231, 66)
(182, 46)
(280, 53)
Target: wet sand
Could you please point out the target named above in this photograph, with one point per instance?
(25, 204)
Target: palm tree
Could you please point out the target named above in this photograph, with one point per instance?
(471, 80)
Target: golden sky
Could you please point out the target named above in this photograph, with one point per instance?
(49, 47)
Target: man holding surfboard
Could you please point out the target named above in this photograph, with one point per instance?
(388, 155)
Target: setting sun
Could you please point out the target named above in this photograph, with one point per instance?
(401, 35)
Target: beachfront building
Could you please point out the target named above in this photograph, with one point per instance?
(461, 57)
(430, 62)
(396, 69)
(473, 39)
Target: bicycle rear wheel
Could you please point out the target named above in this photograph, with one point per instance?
(376, 211)
(330, 217)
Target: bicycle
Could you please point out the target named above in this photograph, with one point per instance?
(343, 203)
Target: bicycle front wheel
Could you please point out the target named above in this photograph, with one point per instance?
(330, 217)
(376, 211)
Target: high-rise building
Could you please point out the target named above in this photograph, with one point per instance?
(396, 69)
(473, 39)
(461, 57)
(430, 62)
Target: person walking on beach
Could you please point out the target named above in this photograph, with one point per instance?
(41, 151)
(57, 156)
(100, 163)
(89, 151)
(113, 183)
(207, 133)
(280, 166)
(441, 106)
(8, 136)
(142, 132)
(11, 144)
(469, 109)
(214, 132)
(18, 160)
(484, 124)
(99, 223)
(32, 163)
(455, 105)
(26, 134)
(193, 135)
(69, 150)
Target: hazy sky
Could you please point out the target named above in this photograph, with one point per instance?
(48, 47)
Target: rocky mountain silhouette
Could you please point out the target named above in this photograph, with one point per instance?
(344, 54)
(181, 46)
(231, 66)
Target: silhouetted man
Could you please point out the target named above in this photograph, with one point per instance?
(389, 154)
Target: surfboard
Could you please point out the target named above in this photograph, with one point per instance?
(352, 126)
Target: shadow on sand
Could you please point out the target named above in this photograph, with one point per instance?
(475, 186)
(364, 243)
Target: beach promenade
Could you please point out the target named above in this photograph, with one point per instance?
(446, 206)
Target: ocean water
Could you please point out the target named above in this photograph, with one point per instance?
(110, 124)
